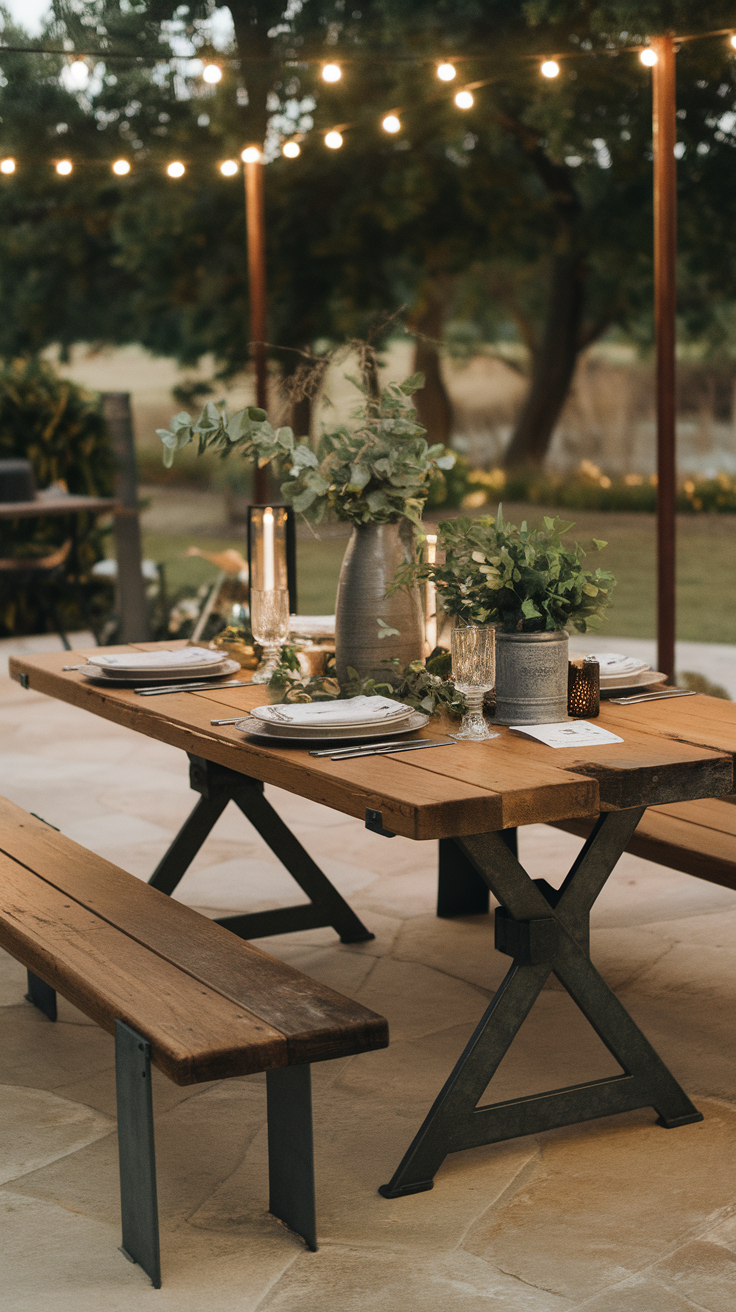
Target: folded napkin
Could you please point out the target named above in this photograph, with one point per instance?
(612, 662)
(354, 710)
(159, 660)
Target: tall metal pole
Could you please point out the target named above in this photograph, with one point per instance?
(665, 254)
(255, 223)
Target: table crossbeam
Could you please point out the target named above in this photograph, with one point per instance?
(219, 786)
(547, 932)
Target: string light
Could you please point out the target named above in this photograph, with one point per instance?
(331, 73)
(391, 123)
(291, 149)
(121, 167)
(550, 68)
(333, 140)
(251, 155)
(648, 57)
(464, 100)
(176, 170)
(64, 167)
(229, 168)
(212, 73)
(446, 72)
(7, 166)
(733, 41)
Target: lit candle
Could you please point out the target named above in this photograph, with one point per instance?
(269, 580)
(431, 597)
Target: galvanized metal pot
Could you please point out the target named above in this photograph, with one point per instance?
(374, 553)
(531, 677)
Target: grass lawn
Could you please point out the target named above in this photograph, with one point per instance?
(706, 569)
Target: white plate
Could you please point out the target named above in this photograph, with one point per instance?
(333, 726)
(130, 665)
(648, 679)
(258, 729)
(355, 713)
(336, 731)
(96, 675)
(172, 675)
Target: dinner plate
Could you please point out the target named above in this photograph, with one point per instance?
(223, 671)
(131, 671)
(647, 679)
(258, 729)
(332, 726)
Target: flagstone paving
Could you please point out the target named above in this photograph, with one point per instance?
(616, 1215)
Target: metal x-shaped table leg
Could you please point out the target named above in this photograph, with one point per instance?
(545, 930)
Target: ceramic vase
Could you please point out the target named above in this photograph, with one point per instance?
(374, 553)
(531, 677)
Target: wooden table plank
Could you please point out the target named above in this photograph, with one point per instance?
(317, 1025)
(464, 789)
(66, 505)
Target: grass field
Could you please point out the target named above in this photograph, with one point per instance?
(706, 609)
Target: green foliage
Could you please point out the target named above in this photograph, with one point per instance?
(519, 579)
(415, 685)
(59, 427)
(377, 470)
(589, 489)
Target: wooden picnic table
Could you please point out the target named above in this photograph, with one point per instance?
(69, 504)
(466, 796)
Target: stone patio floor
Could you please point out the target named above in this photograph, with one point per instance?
(616, 1215)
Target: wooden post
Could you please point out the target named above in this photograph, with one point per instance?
(665, 291)
(255, 222)
(131, 589)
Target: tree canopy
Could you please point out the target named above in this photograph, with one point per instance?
(531, 209)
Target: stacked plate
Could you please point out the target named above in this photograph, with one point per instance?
(335, 721)
(144, 667)
(625, 673)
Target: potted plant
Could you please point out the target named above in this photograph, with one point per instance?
(531, 587)
(373, 473)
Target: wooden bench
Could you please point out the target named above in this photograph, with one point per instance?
(177, 991)
(698, 837)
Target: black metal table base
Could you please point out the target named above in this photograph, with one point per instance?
(218, 786)
(546, 931)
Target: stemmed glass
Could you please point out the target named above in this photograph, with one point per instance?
(474, 674)
(269, 620)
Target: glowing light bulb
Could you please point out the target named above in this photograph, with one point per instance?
(229, 168)
(464, 100)
(446, 72)
(251, 155)
(648, 57)
(291, 149)
(7, 166)
(331, 73)
(733, 41)
(212, 73)
(121, 167)
(176, 170)
(333, 140)
(391, 123)
(550, 68)
(64, 167)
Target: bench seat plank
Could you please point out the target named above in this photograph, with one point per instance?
(312, 1022)
(195, 1033)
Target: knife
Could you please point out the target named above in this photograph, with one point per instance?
(651, 696)
(190, 687)
(378, 749)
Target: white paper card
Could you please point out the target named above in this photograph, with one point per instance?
(573, 733)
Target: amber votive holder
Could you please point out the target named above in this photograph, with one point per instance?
(583, 688)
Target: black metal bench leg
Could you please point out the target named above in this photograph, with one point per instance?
(138, 1201)
(41, 995)
(291, 1150)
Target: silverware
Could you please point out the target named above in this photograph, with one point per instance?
(191, 687)
(233, 721)
(75, 667)
(378, 749)
(651, 696)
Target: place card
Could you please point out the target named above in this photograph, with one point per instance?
(578, 733)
